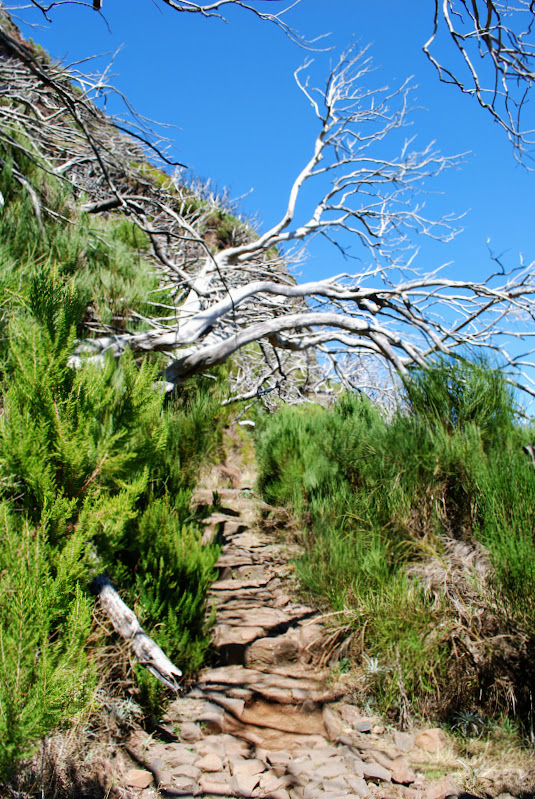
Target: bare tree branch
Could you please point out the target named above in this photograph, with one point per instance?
(492, 54)
(493, 58)
(236, 298)
(214, 10)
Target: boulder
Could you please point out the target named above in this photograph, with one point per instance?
(433, 740)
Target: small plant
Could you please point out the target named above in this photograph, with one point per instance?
(344, 665)
(372, 667)
(468, 723)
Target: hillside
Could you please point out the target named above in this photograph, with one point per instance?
(142, 318)
(99, 454)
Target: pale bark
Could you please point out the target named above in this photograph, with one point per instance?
(493, 59)
(241, 299)
(529, 449)
(126, 624)
(214, 10)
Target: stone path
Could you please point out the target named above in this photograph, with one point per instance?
(265, 722)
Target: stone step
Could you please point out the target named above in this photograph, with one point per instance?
(205, 496)
(241, 585)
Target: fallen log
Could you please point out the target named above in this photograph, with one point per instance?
(125, 624)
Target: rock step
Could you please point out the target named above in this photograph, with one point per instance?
(241, 585)
(268, 618)
(205, 496)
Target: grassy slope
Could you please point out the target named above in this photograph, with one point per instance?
(421, 530)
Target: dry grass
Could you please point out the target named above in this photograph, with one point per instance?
(496, 763)
(78, 764)
(487, 653)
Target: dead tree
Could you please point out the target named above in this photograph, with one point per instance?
(369, 192)
(492, 55)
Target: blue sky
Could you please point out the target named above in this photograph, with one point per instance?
(242, 122)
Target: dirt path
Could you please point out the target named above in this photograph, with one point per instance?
(265, 722)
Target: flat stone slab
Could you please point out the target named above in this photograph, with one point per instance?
(268, 651)
(265, 618)
(374, 771)
(332, 769)
(227, 635)
(191, 772)
(138, 778)
(220, 518)
(274, 687)
(210, 763)
(179, 757)
(252, 766)
(233, 585)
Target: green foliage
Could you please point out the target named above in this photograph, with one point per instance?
(173, 575)
(225, 225)
(104, 258)
(96, 470)
(44, 623)
(507, 514)
(294, 457)
(376, 496)
(455, 394)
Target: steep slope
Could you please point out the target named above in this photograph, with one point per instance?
(97, 463)
(54, 135)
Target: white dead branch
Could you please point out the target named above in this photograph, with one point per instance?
(369, 183)
(126, 624)
(215, 10)
(491, 58)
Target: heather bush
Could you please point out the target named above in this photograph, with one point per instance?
(45, 616)
(97, 469)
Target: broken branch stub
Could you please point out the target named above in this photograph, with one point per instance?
(125, 624)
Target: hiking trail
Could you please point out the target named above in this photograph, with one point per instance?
(267, 721)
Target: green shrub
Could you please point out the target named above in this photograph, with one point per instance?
(456, 393)
(174, 572)
(97, 470)
(44, 624)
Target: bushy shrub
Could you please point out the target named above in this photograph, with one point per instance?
(97, 470)
(45, 617)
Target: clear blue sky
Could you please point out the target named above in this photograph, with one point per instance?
(242, 121)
